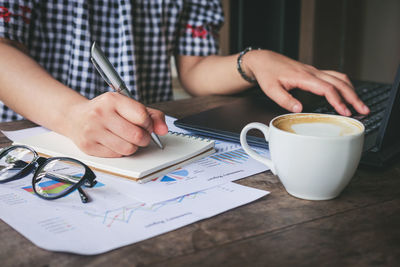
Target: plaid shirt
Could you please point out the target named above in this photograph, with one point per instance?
(138, 36)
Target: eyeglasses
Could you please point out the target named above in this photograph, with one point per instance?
(53, 177)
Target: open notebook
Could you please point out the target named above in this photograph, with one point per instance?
(147, 163)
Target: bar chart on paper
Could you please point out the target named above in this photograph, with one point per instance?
(54, 187)
(237, 156)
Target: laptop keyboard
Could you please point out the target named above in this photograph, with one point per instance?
(375, 96)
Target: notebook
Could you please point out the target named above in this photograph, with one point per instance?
(382, 124)
(144, 165)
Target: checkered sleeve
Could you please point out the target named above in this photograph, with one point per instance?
(15, 20)
(201, 21)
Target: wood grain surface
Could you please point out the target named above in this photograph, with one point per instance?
(359, 228)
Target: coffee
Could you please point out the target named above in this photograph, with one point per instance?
(314, 155)
(318, 125)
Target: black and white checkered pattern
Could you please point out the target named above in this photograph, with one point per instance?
(139, 37)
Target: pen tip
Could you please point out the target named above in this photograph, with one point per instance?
(157, 140)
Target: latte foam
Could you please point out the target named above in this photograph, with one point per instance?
(319, 125)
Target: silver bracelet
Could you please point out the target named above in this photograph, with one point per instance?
(239, 65)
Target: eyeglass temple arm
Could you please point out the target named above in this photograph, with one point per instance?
(83, 195)
(64, 178)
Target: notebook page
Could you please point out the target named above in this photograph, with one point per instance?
(146, 160)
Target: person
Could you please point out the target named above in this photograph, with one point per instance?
(46, 75)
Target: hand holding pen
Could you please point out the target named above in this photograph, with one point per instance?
(110, 75)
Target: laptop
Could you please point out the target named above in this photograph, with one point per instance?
(382, 142)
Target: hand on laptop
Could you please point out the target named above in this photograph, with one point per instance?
(277, 74)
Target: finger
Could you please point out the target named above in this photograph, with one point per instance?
(340, 76)
(320, 87)
(133, 111)
(95, 148)
(279, 95)
(346, 90)
(131, 133)
(158, 117)
(99, 150)
(115, 143)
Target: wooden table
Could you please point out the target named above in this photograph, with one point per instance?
(359, 228)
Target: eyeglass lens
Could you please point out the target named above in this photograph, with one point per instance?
(57, 176)
(13, 161)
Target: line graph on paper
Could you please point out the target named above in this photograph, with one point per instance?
(127, 213)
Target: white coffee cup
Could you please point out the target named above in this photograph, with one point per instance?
(314, 155)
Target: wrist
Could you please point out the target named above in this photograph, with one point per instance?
(65, 122)
(243, 64)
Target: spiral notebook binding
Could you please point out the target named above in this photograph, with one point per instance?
(191, 136)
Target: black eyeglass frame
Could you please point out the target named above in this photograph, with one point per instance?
(37, 164)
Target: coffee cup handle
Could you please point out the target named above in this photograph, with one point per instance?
(243, 140)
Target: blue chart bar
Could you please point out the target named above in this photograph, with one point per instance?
(232, 157)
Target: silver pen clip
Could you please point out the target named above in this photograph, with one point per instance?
(103, 75)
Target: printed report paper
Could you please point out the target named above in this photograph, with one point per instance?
(112, 219)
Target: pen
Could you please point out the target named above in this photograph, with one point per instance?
(110, 75)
